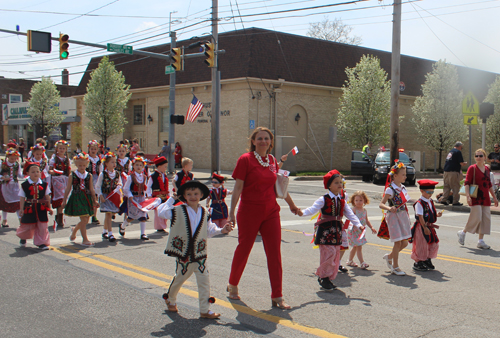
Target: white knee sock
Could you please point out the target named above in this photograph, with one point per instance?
(4, 215)
(143, 228)
(18, 215)
(110, 233)
(125, 223)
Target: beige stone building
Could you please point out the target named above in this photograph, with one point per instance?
(266, 81)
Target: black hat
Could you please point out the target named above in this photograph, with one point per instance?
(193, 184)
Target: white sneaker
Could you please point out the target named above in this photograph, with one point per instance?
(398, 271)
(461, 237)
(483, 245)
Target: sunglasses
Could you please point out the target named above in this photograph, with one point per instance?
(215, 182)
(430, 192)
(479, 155)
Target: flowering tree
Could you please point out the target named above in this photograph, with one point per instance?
(437, 112)
(493, 122)
(44, 107)
(365, 104)
(334, 30)
(107, 95)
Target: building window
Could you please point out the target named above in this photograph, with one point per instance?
(138, 115)
(164, 119)
(15, 98)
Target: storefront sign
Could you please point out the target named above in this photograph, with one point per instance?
(20, 111)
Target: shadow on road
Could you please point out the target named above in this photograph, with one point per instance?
(24, 252)
(5, 231)
(181, 327)
(407, 281)
(434, 275)
(483, 252)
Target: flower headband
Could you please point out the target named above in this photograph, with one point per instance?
(138, 159)
(38, 146)
(62, 143)
(121, 146)
(397, 166)
(93, 143)
(81, 156)
(108, 155)
(12, 152)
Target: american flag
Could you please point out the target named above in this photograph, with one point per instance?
(194, 109)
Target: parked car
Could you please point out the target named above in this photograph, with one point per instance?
(363, 165)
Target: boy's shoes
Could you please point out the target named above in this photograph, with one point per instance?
(144, 237)
(43, 247)
(326, 284)
(5, 225)
(342, 268)
(210, 315)
(22, 242)
(105, 235)
(482, 245)
(122, 230)
(429, 264)
(111, 238)
(420, 266)
(461, 237)
(160, 230)
(171, 307)
(458, 204)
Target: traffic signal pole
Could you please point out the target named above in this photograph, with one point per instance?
(171, 107)
(395, 77)
(215, 123)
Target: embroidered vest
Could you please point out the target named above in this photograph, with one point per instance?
(159, 188)
(12, 170)
(93, 168)
(182, 178)
(109, 184)
(81, 186)
(62, 165)
(122, 168)
(180, 242)
(332, 206)
(430, 214)
(136, 188)
(35, 207)
(330, 232)
(397, 200)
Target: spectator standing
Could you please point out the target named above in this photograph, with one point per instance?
(366, 148)
(21, 148)
(493, 158)
(165, 150)
(453, 174)
(134, 149)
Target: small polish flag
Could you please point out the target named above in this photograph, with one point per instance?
(295, 150)
(115, 197)
(147, 205)
(60, 172)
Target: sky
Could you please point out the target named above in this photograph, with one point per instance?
(463, 32)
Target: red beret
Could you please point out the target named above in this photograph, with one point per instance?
(328, 178)
(11, 145)
(427, 184)
(160, 160)
(218, 177)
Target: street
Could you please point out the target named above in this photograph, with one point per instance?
(115, 289)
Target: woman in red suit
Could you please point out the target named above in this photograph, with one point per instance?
(255, 176)
(178, 155)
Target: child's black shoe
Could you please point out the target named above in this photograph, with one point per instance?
(43, 247)
(111, 238)
(105, 235)
(429, 264)
(22, 242)
(326, 284)
(342, 268)
(419, 266)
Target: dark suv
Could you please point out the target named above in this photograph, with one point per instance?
(363, 165)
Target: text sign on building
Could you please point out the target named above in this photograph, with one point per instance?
(252, 124)
(470, 119)
(123, 49)
(470, 105)
(20, 111)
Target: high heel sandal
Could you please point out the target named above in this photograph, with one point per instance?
(280, 303)
(233, 292)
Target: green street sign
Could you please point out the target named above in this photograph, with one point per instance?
(169, 70)
(123, 49)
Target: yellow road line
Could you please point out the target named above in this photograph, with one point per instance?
(240, 308)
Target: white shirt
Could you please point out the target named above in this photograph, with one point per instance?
(394, 187)
(320, 203)
(149, 190)
(19, 170)
(419, 210)
(98, 184)
(53, 160)
(165, 212)
(95, 160)
(80, 175)
(126, 189)
(47, 191)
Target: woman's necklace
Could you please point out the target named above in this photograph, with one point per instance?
(265, 164)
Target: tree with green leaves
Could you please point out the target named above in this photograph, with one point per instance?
(365, 104)
(438, 118)
(106, 98)
(44, 107)
(493, 122)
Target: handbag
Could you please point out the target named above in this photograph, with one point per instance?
(281, 185)
(472, 188)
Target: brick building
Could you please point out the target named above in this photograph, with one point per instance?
(286, 82)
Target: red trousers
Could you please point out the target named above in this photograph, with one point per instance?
(252, 218)
(38, 231)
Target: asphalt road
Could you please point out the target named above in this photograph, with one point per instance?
(114, 289)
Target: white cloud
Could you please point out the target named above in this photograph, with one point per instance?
(145, 25)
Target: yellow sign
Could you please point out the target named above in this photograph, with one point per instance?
(470, 105)
(470, 119)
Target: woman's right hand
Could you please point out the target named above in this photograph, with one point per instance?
(469, 201)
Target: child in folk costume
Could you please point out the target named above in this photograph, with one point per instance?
(59, 169)
(94, 168)
(356, 237)
(146, 163)
(107, 184)
(397, 218)
(185, 175)
(217, 202)
(35, 203)
(328, 234)
(10, 173)
(135, 189)
(124, 167)
(38, 155)
(158, 187)
(187, 242)
(423, 233)
(83, 198)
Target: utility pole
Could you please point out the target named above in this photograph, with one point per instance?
(395, 77)
(215, 92)
(171, 126)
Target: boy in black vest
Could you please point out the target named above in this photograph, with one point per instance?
(187, 241)
(158, 187)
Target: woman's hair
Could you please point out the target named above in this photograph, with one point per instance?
(254, 135)
(366, 200)
(42, 141)
(481, 150)
(134, 140)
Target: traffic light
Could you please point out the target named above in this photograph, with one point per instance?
(210, 53)
(177, 59)
(486, 109)
(63, 46)
(176, 119)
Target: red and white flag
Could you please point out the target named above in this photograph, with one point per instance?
(295, 150)
(194, 110)
(115, 197)
(147, 205)
(60, 172)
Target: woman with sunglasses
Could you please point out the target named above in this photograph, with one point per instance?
(480, 213)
